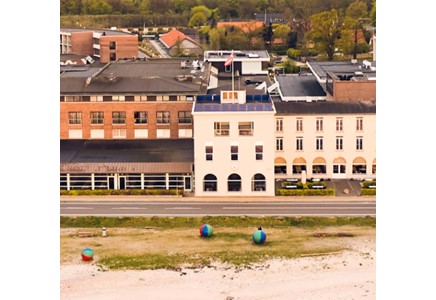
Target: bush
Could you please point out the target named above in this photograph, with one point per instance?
(306, 192)
(367, 192)
(293, 53)
(367, 183)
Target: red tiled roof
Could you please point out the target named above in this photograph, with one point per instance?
(170, 39)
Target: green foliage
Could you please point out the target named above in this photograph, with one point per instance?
(368, 192)
(216, 221)
(367, 183)
(198, 19)
(357, 9)
(306, 192)
(290, 67)
(293, 53)
(325, 31)
(152, 192)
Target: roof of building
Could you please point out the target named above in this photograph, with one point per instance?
(300, 86)
(225, 84)
(149, 156)
(151, 76)
(107, 32)
(325, 107)
(238, 54)
(270, 17)
(234, 107)
(320, 68)
(172, 37)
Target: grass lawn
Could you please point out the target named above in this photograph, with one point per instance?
(170, 243)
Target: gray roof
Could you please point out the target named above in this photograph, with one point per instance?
(322, 67)
(325, 107)
(300, 86)
(127, 156)
(225, 84)
(128, 77)
(238, 54)
(108, 32)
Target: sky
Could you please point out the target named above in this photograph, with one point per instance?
(30, 150)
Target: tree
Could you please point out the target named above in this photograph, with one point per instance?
(372, 14)
(282, 32)
(95, 7)
(198, 19)
(325, 31)
(267, 34)
(356, 10)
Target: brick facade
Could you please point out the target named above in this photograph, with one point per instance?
(357, 90)
(126, 46)
(129, 107)
(81, 43)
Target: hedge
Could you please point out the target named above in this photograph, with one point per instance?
(367, 192)
(306, 192)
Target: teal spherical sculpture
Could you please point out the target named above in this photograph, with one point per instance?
(259, 236)
(206, 230)
(87, 254)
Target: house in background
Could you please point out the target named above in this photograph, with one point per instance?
(107, 45)
(177, 43)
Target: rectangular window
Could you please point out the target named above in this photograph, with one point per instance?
(339, 143)
(319, 124)
(97, 117)
(359, 123)
(96, 98)
(107, 98)
(259, 152)
(246, 128)
(222, 128)
(359, 143)
(118, 117)
(279, 144)
(299, 143)
(75, 118)
(299, 124)
(73, 98)
(151, 98)
(339, 124)
(234, 149)
(141, 117)
(163, 133)
(185, 117)
(319, 143)
(163, 117)
(209, 152)
(112, 45)
(118, 98)
(173, 98)
(279, 125)
(113, 56)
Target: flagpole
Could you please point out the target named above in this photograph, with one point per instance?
(233, 80)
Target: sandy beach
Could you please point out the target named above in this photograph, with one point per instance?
(348, 275)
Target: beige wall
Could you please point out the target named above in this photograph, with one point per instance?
(222, 165)
(329, 152)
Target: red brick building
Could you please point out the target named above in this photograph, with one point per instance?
(130, 100)
(108, 45)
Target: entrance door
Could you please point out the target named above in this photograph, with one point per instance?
(111, 182)
(122, 183)
(339, 171)
(187, 186)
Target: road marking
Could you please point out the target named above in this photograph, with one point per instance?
(129, 208)
(77, 207)
(182, 208)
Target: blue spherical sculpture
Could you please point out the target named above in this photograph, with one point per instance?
(259, 236)
(206, 230)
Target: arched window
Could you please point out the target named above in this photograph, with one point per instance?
(298, 165)
(210, 183)
(258, 183)
(359, 165)
(234, 183)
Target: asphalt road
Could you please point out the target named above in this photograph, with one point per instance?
(202, 208)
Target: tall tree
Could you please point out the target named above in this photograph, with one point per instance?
(325, 31)
(356, 10)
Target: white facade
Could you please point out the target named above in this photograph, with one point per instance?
(249, 162)
(354, 133)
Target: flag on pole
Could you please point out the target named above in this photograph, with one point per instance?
(229, 60)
